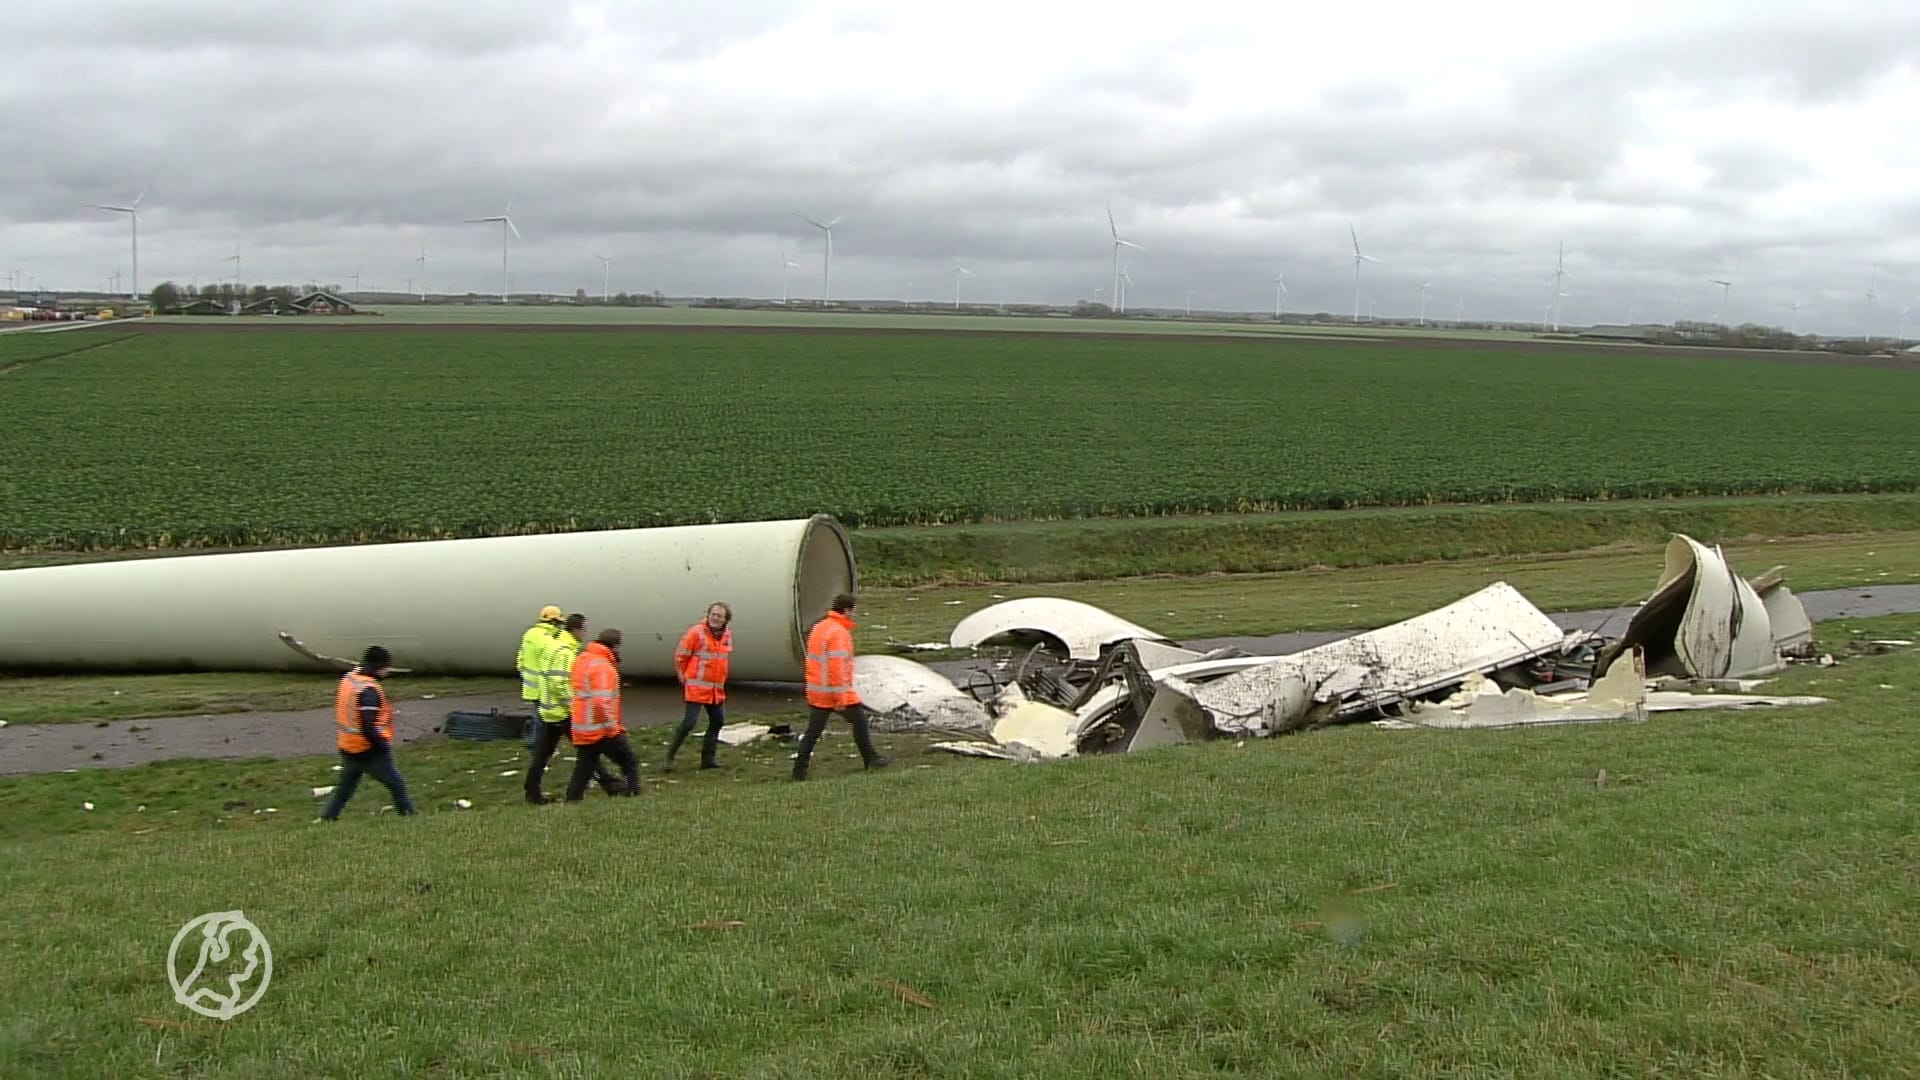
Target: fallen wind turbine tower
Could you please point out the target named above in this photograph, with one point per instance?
(441, 606)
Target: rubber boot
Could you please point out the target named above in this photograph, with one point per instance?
(863, 739)
(710, 746)
(679, 736)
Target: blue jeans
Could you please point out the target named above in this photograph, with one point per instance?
(375, 763)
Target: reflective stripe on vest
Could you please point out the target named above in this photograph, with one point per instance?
(594, 695)
(703, 656)
(822, 658)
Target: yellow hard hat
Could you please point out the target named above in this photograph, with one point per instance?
(551, 614)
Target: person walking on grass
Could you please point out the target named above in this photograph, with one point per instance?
(701, 662)
(597, 729)
(830, 686)
(532, 660)
(363, 733)
(556, 705)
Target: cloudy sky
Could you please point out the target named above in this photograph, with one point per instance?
(1665, 143)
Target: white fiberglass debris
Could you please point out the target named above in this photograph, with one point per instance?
(86, 806)
(1620, 694)
(1082, 628)
(742, 734)
(1486, 631)
(1040, 729)
(1707, 622)
(463, 804)
(320, 791)
(511, 772)
(909, 694)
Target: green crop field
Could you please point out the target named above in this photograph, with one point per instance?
(192, 437)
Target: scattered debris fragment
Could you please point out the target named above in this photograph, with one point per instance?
(742, 734)
(906, 993)
(1084, 630)
(1706, 622)
(322, 792)
(86, 806)
(909, 696)
(464, 804)
(1095, 683)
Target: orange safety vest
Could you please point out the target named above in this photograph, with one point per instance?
(830, 663)
(346, 714)
(596, 696)
(701, 661)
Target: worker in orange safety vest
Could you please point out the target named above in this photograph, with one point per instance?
(830, 686)
(363, 733)
(701, 662)
(597, 729)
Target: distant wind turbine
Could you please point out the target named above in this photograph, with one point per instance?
(1279, 292)
(1871, 281)
(1559, 278)
(826, 265)
(958, 273)
(1357, 260)
(1795, 308)
(1118, 243)
(235, 260)
(1424, 286)
(1125, 283)
(132, 210)
(606, 275)
(506, 226)
(1726, 290)
(422, 260)
(787, 266)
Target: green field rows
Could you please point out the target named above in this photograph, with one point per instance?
(223, 437)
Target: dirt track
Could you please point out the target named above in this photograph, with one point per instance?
(119, 744)
(1441, 344)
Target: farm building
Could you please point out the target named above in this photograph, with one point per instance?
(323, 303)
(313, 303)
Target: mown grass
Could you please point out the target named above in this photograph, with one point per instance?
(1737, 896)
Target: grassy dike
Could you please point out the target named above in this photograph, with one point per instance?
(1253, 543)
(1723, 894)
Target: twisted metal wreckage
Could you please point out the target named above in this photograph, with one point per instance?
(1703, 639)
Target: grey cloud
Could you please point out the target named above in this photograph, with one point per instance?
(328, 143)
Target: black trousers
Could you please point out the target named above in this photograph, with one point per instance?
(375, 763)
(857, 714)
(710, 744)
(587, 762)
(546, 738)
